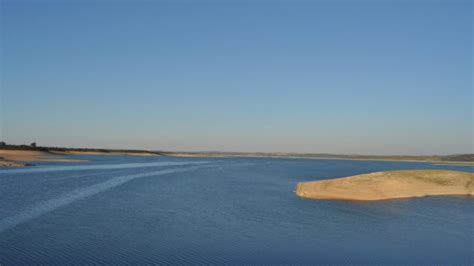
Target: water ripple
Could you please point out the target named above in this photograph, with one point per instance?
(78, 194)
(95, 167)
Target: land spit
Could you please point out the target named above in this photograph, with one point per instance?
(390, 185)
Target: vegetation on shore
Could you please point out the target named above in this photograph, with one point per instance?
(390, 185)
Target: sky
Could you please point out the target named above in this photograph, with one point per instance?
(352, 77)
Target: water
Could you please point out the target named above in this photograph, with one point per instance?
(134, 210)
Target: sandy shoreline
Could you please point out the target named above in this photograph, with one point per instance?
(112, 153)
(21, 158)
(11, 164)
(390, 185)
(13, 156)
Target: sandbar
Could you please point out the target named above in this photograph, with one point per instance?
(390, 185)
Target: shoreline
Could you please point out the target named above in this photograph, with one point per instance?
(107, 153)
(374, 158)
(18, 158)
(56, 154)
(23, 158)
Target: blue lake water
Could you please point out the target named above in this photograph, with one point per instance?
(144, 210)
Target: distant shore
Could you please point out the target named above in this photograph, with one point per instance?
(12, 156)
(107, 153)
(390, 185)
(459, 159)
(21, 158)
(17, 155)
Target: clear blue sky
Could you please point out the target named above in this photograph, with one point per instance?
(368, 77)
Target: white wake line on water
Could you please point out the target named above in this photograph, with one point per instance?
(50, 205)
(95, 167)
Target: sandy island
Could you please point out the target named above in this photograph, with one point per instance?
(390, 185)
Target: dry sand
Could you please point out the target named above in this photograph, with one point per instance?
(390, 185)
(17, 158)
(112, 153)
(11, 164)
(14, 156)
